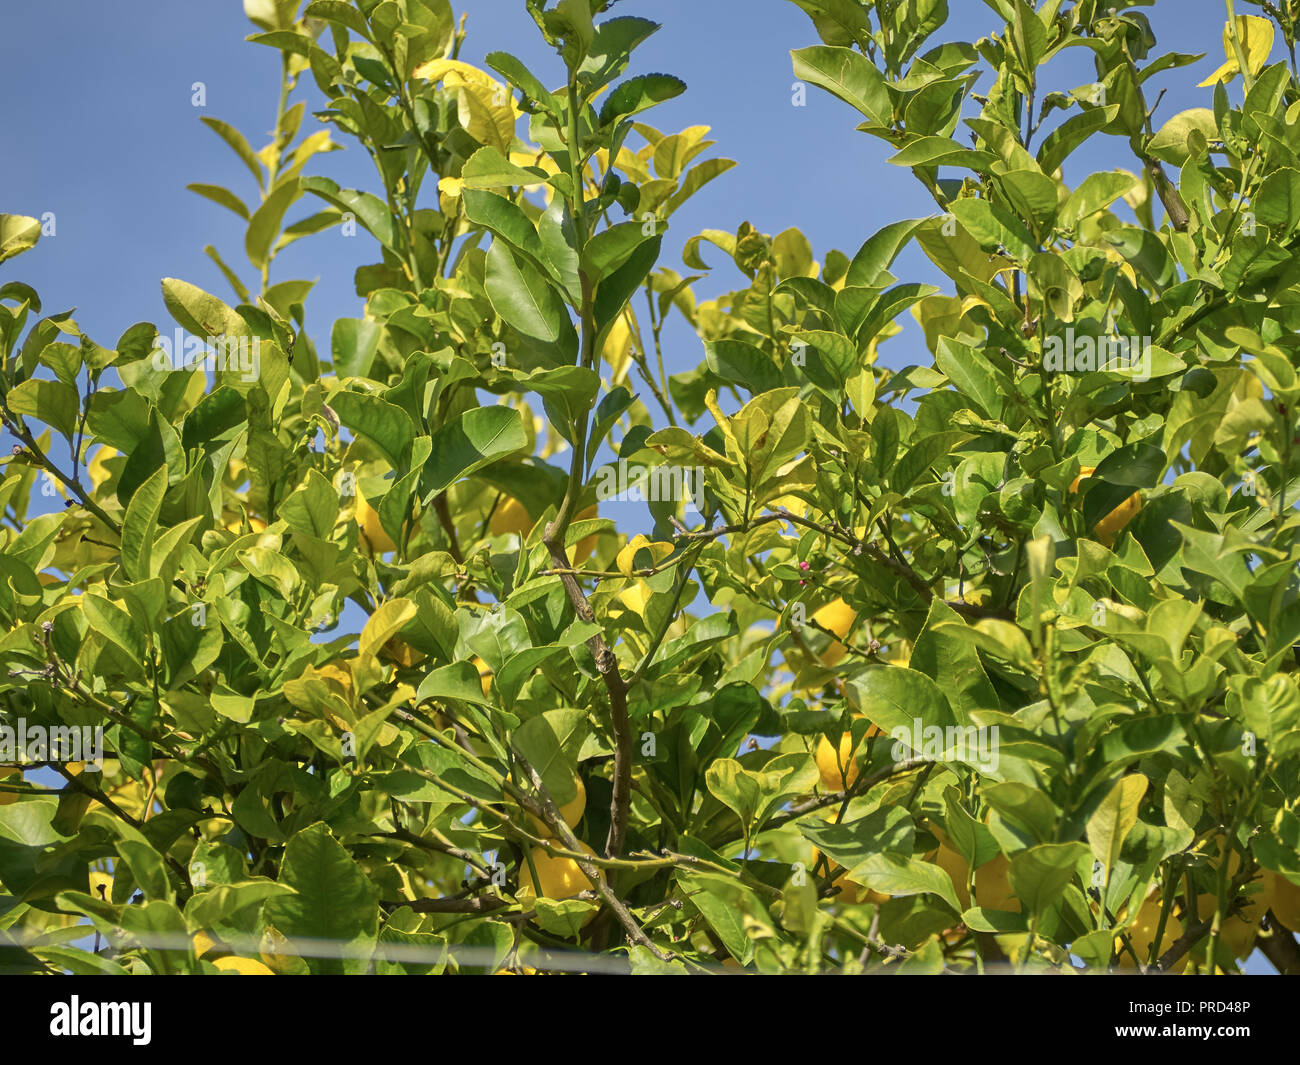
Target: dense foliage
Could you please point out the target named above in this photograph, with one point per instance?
(987, 659)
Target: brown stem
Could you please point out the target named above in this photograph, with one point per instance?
(615, 686)
(1280, 947)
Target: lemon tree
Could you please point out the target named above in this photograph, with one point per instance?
(966, 636)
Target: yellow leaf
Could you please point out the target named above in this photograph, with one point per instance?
(626, 557)
(384, 624)
(487, 108)
(1256, 37)
(243, 966)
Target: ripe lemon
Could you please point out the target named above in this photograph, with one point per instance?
(571, 811)
(992, 880)
(1109, 528)
(830, 759)
(1238, 931)
(1143, 933)
(513, 517)
(101, 885)
(557, 877)
(243, 966)
(203, 943)
(402, 653)
(849, 890)
(1283, 899)
(236, 525)
(8, 798)
(635, 597)
(484, 676)
(376, 537)
(837, 617)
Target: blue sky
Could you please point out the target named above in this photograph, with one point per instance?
(100, 129)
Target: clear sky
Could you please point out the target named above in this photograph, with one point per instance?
(99, 129)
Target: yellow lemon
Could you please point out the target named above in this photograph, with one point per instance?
(1109, 528)
(8, 798)
(1283, 899)
(557, 877)
(992, 880)
(243, 966)
(101, 885)
(202, 943)
(635, 597)
(830, 759)
(849, 890)
(571, 811)
(1143, 933)
(375, 535)
(1238, 931)
(837, 617)
(512, 517)
(236, 525)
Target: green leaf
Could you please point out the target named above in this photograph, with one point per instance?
(368, 209)
(887, 830)
(518, 75)
(879, 252)
(140, 526)
(896, 698)
(487, 168)
(199, 313)
(617, 288)
(524, 298)
(239, 144)
(475, 439)
(611, 45)
(218, 904)
(974, 375)
(740, 363)
(1277, 203)
(847, 74)
(539, 742)
(223, 196)
(1170, 142)
(340, 12)
(1095, 193)
(1040, 875)
(54, 402)
(638, 94)
(897, 874)
(1111, 822)
(265, 224)
(459, 681)
(17, 234)
(334, 900)
(387, 424)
